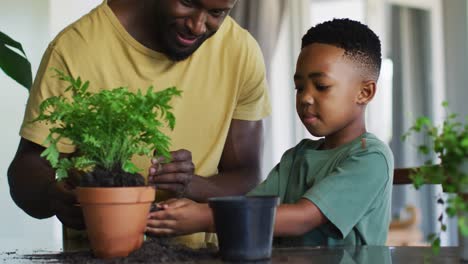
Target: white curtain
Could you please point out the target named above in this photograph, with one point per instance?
(413, 96)
(278, 26)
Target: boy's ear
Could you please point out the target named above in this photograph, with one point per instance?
(366, 92)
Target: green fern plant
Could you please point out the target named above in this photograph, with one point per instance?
(449, 143)
(107, 128)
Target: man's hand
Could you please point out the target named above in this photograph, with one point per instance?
(238, 168)
(174, 176)
(179, 217)
(64, 204)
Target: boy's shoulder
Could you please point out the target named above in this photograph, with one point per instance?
(368, 147)
(370, 143)
(364, 143)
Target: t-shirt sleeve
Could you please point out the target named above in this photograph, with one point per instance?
(45, 85)
(253, 102)
(351, 190)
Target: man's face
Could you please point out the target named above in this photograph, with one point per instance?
(327, 86)
(183, 25)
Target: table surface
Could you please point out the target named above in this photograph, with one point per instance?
(315, 255)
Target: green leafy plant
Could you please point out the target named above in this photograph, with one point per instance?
(107, 128)
(449, 143)
(14, 64)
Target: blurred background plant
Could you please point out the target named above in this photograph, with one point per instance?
(13, 61)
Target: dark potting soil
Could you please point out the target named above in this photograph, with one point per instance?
(154, 250)
(116, 177)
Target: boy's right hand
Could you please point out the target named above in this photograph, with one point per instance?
(179, 217)
(63, 202)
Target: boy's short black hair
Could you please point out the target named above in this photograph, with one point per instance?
(360, 43)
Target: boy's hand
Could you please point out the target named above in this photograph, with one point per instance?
(179, 217)
(174, 176)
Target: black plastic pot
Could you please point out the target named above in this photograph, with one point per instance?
(244, 226)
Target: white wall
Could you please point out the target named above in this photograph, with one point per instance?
(33, 23)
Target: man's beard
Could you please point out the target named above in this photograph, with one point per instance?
(176, 54)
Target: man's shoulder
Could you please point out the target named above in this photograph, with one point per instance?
(83, 33)
(231, 29)
(232, 35)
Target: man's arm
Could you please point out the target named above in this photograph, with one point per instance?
(240, 165)
(34, 189)
(29, 177)
(239, 168)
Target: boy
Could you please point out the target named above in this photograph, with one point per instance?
(335, 190)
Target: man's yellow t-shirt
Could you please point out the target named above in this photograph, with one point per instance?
(223, 80)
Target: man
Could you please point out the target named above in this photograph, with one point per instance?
(192, 45)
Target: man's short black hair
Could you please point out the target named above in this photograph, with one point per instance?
(360, 43)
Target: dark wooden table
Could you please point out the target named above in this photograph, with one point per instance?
(318, 255)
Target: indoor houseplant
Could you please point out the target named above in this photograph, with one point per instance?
(449, 143)
(14, 64)
(108, 128)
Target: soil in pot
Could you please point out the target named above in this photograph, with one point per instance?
(116, 177)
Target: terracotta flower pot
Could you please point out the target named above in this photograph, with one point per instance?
(115, 218)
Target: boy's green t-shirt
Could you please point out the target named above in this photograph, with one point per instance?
(350, 184)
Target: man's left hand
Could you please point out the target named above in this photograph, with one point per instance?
(174, 176)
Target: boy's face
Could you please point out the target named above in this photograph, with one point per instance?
(328, 87)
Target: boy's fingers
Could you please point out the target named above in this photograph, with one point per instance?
(159, 231)
(175, 203)
(166, 203)
(161, 215)
(154, 223)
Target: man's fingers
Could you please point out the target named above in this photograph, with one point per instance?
(181, 178)
(178, 155)
(75, 223)
(181, 155)
(60, 192)
(173, 167)
(66, 209)
(71, 217)
(174, 187)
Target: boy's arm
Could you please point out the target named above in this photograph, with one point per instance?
(298, 219)
(183, 216)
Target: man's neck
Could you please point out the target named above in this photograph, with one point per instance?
(133, 15)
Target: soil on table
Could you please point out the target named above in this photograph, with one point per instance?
(116, 177)
(154, 250)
